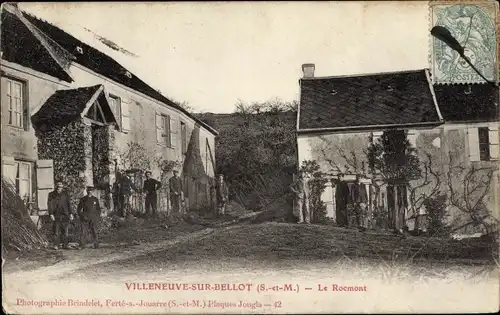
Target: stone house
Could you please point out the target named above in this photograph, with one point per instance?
(72, 113)
(454, 129)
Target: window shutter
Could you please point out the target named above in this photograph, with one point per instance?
(494, 143)
(44, 181)
(173, 132)
(166, 129)
(9, 169)
(183, 138)
(159, 128)
(125, 112)
(473, 138)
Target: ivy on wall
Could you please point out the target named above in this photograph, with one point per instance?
(65, 145)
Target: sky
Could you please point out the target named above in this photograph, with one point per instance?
(214, 54)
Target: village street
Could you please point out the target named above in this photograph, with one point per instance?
(275, 254)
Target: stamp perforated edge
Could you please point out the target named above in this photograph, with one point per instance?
(432, 3)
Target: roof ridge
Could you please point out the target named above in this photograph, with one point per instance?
(366, 74)
(69, 55)
(44, 40)
(145, 88)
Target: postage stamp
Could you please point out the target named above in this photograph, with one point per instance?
(473, 25)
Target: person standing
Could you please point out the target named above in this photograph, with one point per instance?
(301, 190)
(59, 207)
(126, 187)
(221, 194)
(151, 185)
(176, 191)
(89, 212)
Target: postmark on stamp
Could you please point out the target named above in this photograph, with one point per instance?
(474, 25)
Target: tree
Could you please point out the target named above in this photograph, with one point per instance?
(436, 211)
(185, 105)
(256, 143)
(394, 159)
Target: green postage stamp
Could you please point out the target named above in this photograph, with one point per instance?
(474, 26)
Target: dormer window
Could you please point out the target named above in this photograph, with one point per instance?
(128, 74)
(79, 50)
(389, 88)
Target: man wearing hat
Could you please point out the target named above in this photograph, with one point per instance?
(59, 207)
(151, 185)
(89, 211)
(176, 192)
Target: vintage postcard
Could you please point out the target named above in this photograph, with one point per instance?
(250, 157)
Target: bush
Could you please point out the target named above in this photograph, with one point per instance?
(436, 215)
(380, 218)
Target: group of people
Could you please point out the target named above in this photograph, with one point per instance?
(124, 188)
(89, 210)
(62, 215)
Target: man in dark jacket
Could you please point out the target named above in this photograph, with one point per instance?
(89, 211)
(221, 194)
(60, 212)
(176, 192)
(151, 185)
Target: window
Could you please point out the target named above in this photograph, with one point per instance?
(173, 129)
(24, 180)
(183, 138)
(115, 104)
(483, 143)
(162, 129)
(166, 130)
(376, 135)
(15, 102)
(412, 138)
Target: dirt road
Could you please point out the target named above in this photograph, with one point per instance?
(269, 254)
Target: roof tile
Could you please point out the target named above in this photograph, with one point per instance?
(368, 100)
(475, 102)
(64, 105)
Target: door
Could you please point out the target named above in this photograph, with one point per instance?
(391, 206)
(401, 205)
(341, 200)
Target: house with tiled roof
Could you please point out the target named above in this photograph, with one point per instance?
(72, 113)
(453, 129)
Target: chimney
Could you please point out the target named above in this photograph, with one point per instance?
(308, 70)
